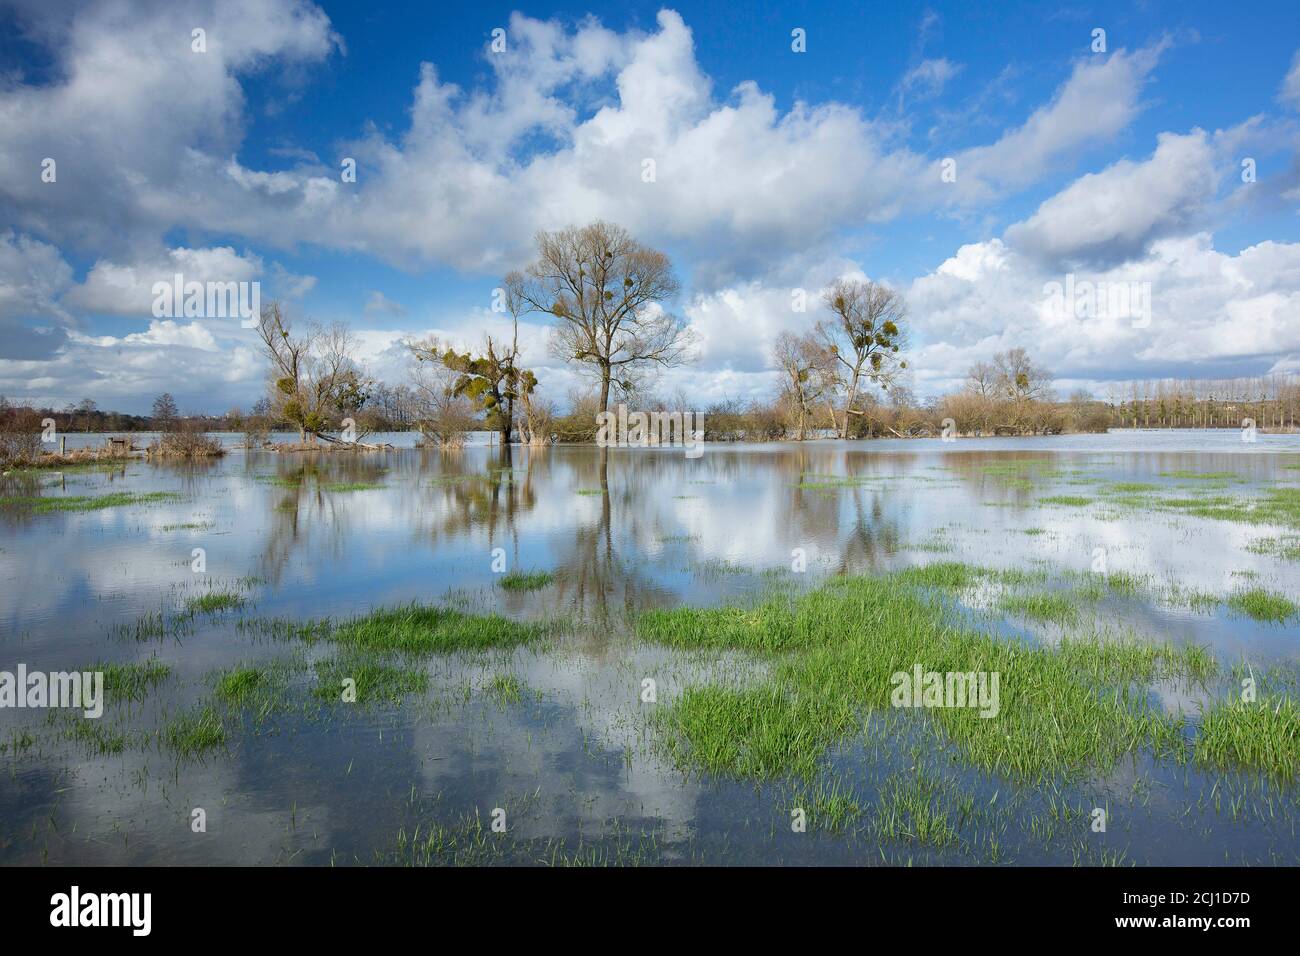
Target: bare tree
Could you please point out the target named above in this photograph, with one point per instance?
(1018, 379)
(313, 374)
(608, 292)
(981, 380)
(444, 415)
(865, 336)
(803, 362)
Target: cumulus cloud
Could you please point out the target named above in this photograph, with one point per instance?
(1162, 298)
(33, 276)
(127, 372)
(1112, 216)
(127, 288)
(133, 116)
(578, 122)
(1215, 310)
(563, 133)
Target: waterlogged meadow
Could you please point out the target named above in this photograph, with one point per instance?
(580, 656)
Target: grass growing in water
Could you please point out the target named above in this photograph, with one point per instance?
(1055, 607)
(1286, 546)
(1200, 475)
(214, 602)
(1076, 501)
(455, 479)
(194, 732)
(428, 629)
(131, 681)
(506, 688)
(1280, 506)
(353, 486)
(374, 681)
(116, 499)
(96, 735)
(912, 808)
(835, 481)
(761, 731)
(1263, 605)
(1263, 734)
(240, 685)
(526, 580)
(849, 637)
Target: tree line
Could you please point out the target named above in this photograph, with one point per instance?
(607, 300)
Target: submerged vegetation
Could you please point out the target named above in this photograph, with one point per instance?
(784, 681)
(420, 628)
(214, 602)
(1065, 710)
(44, 504)
(1259, 735)
(526, 580)
(1263, 605)
(131, 681)
(194, 732)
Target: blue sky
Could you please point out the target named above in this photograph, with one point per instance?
(777, 170)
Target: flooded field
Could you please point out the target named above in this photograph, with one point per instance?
(575, 655)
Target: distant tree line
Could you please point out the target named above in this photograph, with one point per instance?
(1270, 401)
(86, 416)
(607, 297)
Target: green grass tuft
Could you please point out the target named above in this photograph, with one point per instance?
(429, 629)
(506, 688)
(195, 732)
(1263, 605)
(525, 580)
(214, 602)
(1261, 735)
(376, 682)
(131, 681)
(117, 499)
(839, 646)
(1077, 501)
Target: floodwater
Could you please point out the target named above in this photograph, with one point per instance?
(573, 759)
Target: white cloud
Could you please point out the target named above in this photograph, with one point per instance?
(380, 305)
(560, 136)
(127, 289)
(134, 112)
(1208, 308)
(928, 78)
(33, 275)
(1098, 101)
(1290, 93)
(1113, 215)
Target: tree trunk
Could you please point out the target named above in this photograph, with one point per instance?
(604, 388)
(848, 403)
